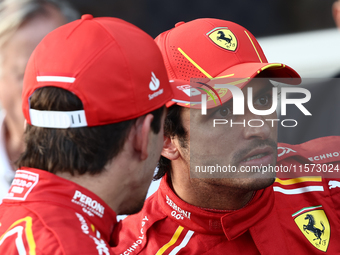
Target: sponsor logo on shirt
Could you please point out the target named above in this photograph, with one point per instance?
(283, 150)
(334, 154)
(100, 244)
(138, 242)
(22, 185)
(333, 184)
(84, 226)
(314, 224)
(177, 209)
(89, 205)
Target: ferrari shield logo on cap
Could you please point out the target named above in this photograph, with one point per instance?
(224, 38)
(313, 223)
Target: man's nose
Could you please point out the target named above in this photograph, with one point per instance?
(257, 127)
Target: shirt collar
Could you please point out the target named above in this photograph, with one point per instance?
(34, 185)
(232, 224)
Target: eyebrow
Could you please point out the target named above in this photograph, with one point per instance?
(229, 103)
(268, 87)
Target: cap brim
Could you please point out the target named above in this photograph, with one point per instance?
(186, 95)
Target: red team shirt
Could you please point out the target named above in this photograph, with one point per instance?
(46, 214)
(294, 216)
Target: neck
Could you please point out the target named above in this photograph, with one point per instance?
(104, 185)
(208, 193)
(94, 183)
(112, 184)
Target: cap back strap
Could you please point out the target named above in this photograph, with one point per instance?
(58, 119)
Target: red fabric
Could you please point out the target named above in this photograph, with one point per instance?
(112, 62)
(56, 217)
(265, 226)
(222, 59)
(195, 49)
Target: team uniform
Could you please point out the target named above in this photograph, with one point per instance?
(294, 216)
(45, 214)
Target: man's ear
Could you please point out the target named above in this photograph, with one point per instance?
(170, 150)
(143, 129)
(336, 13)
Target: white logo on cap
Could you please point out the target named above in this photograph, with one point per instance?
(189, 91)
(154, 83)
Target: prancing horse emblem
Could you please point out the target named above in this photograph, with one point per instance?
(221, 36)
(311, 227)
(224, 38)
(314, 225)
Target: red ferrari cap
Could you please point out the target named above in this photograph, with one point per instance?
(212, 49)
(115, 69)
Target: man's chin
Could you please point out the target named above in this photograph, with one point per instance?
(245, 183)
(253, 184)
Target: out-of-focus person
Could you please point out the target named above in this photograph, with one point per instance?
(336, 13)
(324, 106)
(23, 24)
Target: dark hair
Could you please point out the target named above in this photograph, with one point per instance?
(173, 127)
(74, 150)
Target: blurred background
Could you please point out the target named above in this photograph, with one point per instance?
(261, 17)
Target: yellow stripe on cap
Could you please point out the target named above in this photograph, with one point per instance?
(277, 66)
(272, 65)
(195, 64)
(253, 46)
(299, 180)
(239, 81)
(171, 242)
(224, 76)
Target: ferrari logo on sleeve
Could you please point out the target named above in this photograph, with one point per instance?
(313, 223)
(224, 38)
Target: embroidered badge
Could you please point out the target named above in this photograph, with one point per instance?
(224, 38)
(314, 224)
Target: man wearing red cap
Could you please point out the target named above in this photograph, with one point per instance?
(93, 98)
(220, 157)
